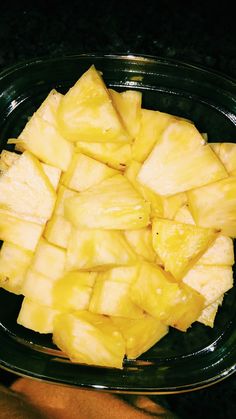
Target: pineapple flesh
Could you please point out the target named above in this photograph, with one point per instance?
(36, 316)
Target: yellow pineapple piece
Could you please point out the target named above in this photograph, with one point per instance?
(172, 204)
(49, 260)
(179, 245)
(63, 194)
(152, 125)
(44, 140)
(128, 105)
(57, 231)
(26, 191)
(211, 281)
(20, 232)
(14, 262)
(53, 173)
(112, 204)
(208, 315)
(183, 215)
(89, 338)
(49, 107)
(98, 249)
(180, 161)
(85, 172)
(155, 293)
(227, 154)
(7, 158)
(114, 155)
(38, 287)
(86, 112)
(140, 334)
(214, 205)
(141, 242)
(36, 316)
(156, 200)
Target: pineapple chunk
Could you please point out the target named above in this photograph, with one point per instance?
(57, 231)
(141, 242)
(165, 300)
(89, 338)
(49, 260)
(184, 215)
(152, 125)
(48, 109)
(180, 161)
(38, 288)
(127, 274)
(180, 245)
(220, 252)
(112, 204)
(208, 315)
(36, 316)
(128, 105)
(227, 154)
(97, 249)
(63, 194)
(210, 281)
(172, 204)
(44, 140)
(53, 173)
(14, 262)
(85, 172)
(214, 206)
(113, 298)
(86, 112)
(20, 232)
(25, 190)
(7, 158)
(156, 201)
(73, 291)
(140, 334)
(114, 155)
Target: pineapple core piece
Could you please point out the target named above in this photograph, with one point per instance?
(165, 300)
(26, 191)
(85, 172)
(227, 154)
(89, 338)
(98, 249)
(112, 204)
(140, 334)
(14, 262)
(214, 205)
(128, 105)
(36, 316)
(86, 112)
(180, 161)
(179, 245)
(114, 155)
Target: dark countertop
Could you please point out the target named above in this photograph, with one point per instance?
(185, 30)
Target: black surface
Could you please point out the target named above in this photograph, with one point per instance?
(197, 32)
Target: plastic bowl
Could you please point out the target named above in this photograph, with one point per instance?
(180, 361)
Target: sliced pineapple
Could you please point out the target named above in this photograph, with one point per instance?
(49, 260)
(179, 245)
(57, 231)
(214, 205)
(141, 242)
(25, 190)
(20, 232)
(86, 112)
(53, 173)
(127, 274)
(63, 194)
(128, 105)
(7, 158)
(140, 334)
(36, 316)
(208, 315)
(180, 161)
(98, 249)
(114, 155)
(112, 204)
(38, 288)
(85, 172)
(183, 215)
(152, 125)
(44, 140)
(156, 200)
(172, 204)
(165, 300)
(227, 154)
(211, 281)
(89, 338)
(220, 252)
(14, 262)
(113, 298)
(49, 107)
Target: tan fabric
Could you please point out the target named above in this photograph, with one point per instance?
(60, 402)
